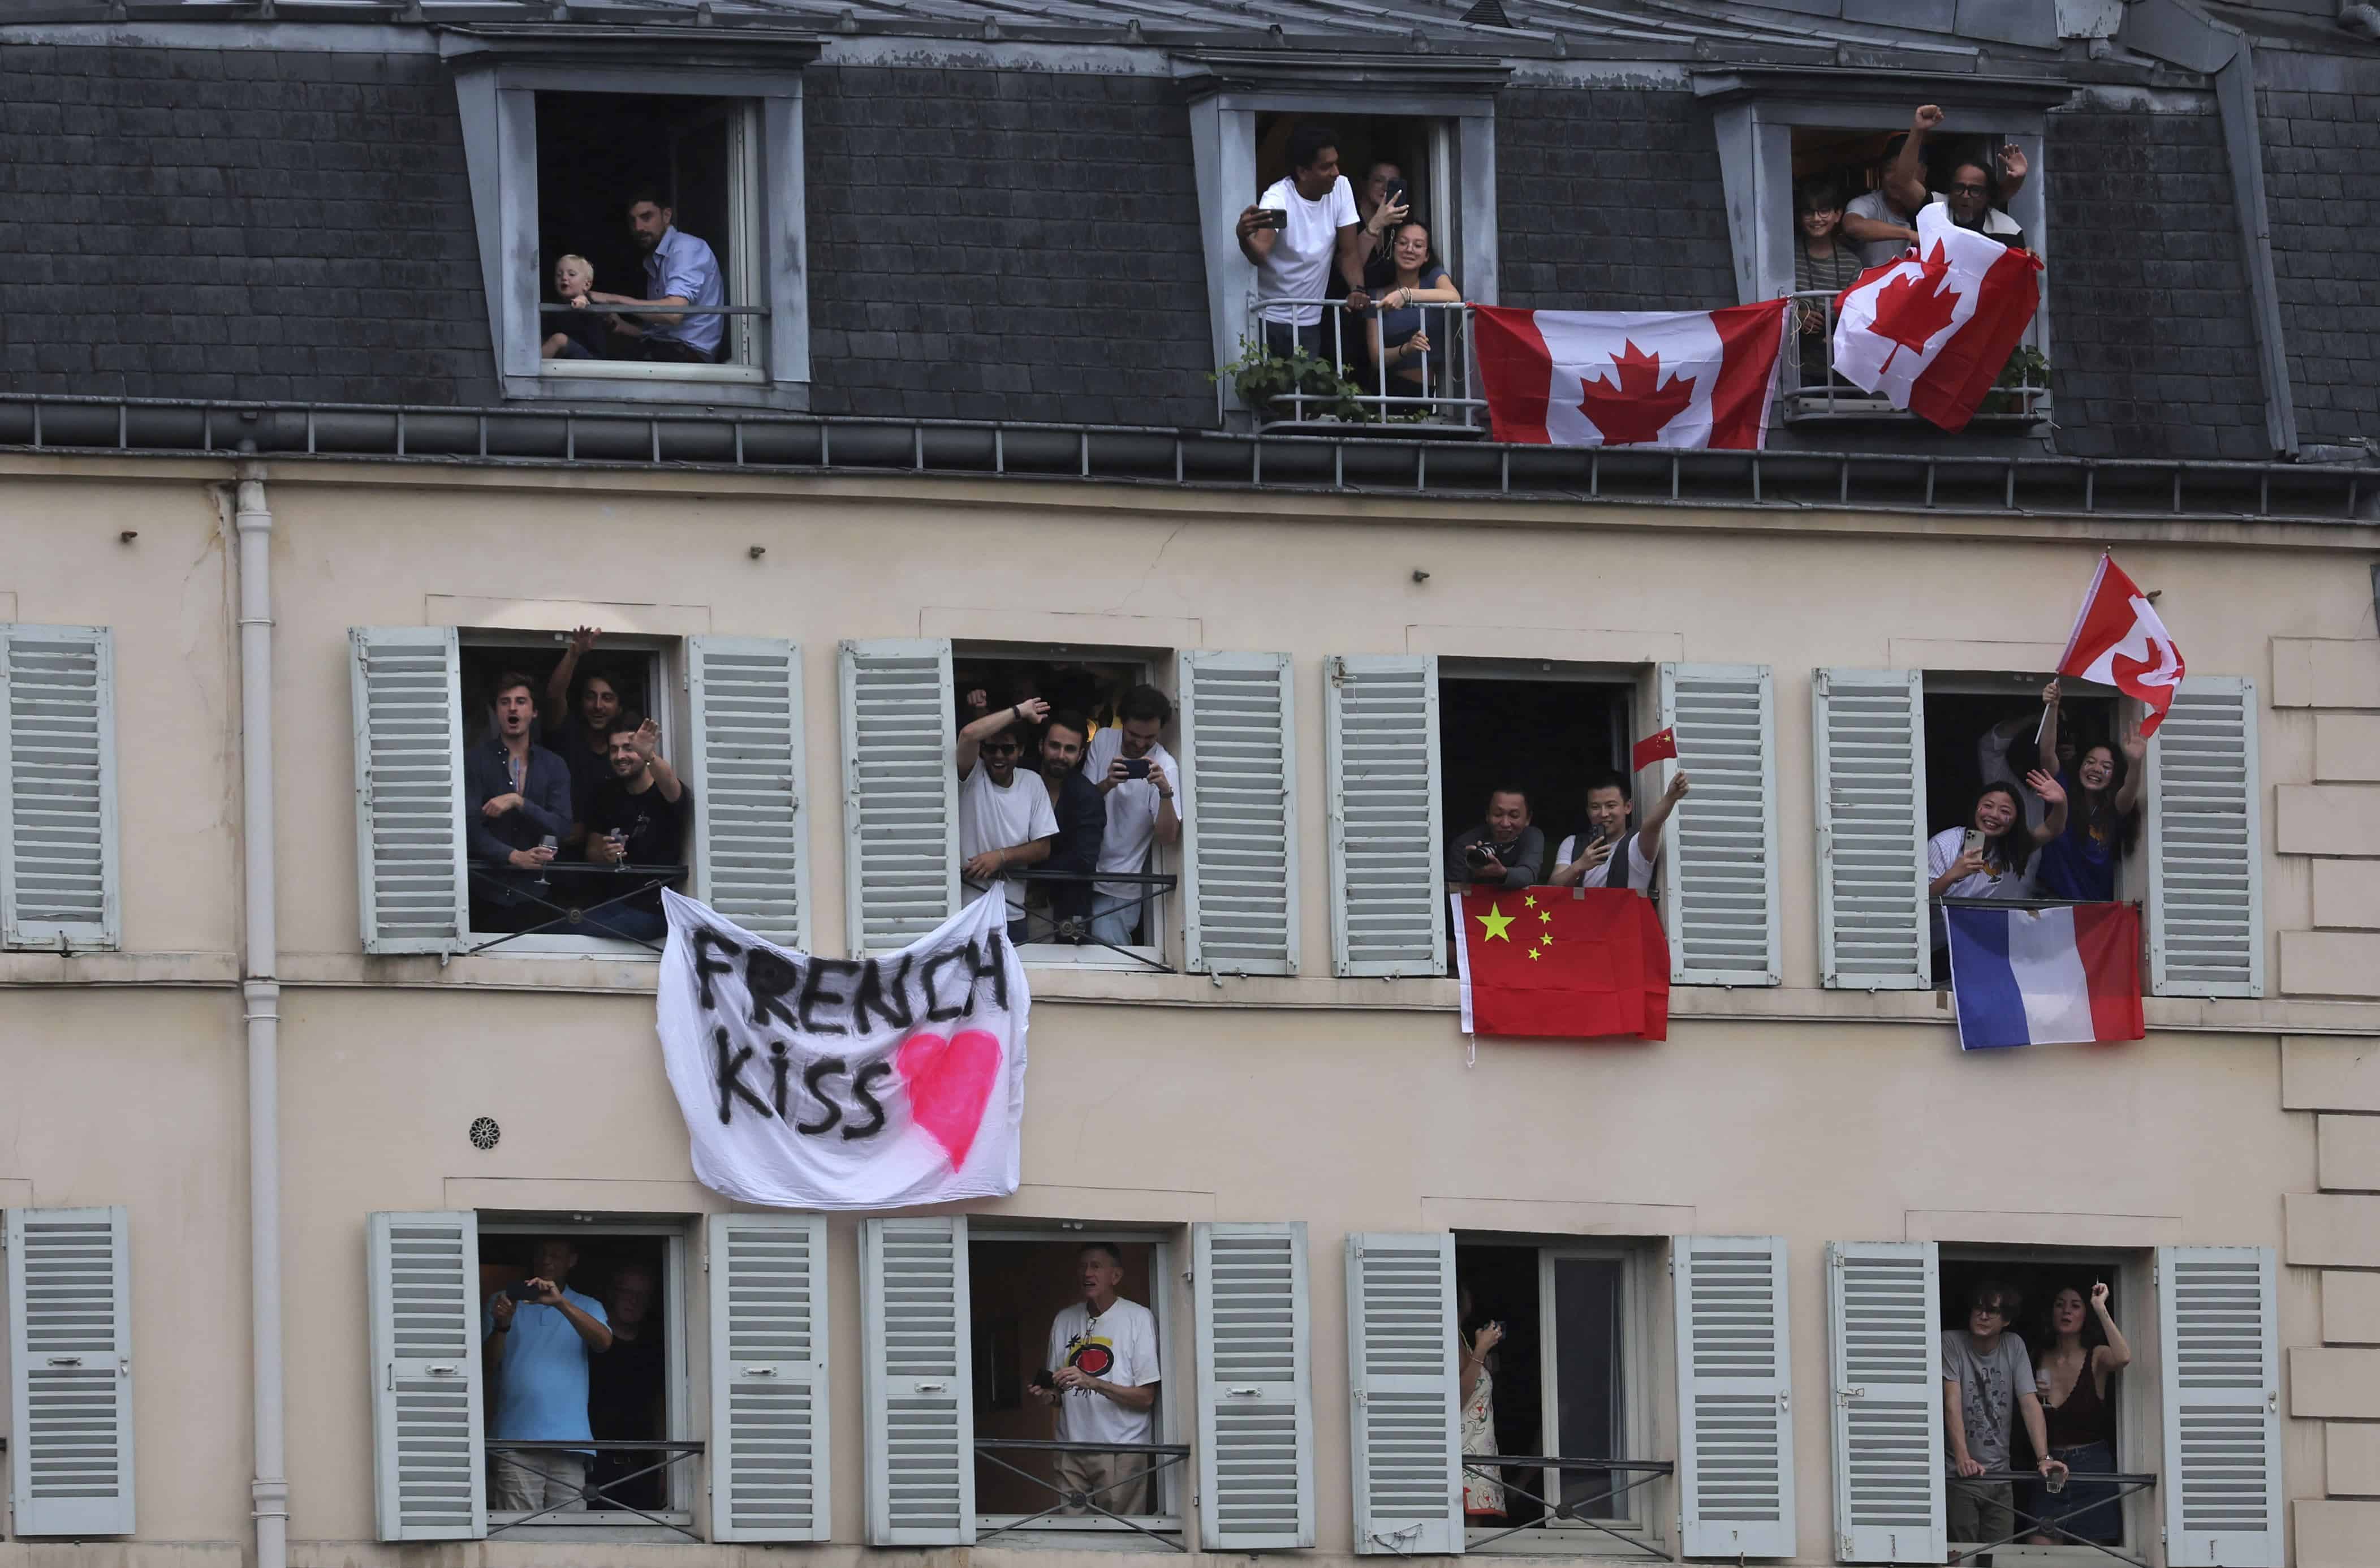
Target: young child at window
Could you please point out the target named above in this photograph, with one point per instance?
(578, 335)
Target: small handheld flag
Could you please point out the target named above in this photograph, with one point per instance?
(1653, 749)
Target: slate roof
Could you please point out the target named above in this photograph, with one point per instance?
(292, 225)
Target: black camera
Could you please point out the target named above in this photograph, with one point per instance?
(1477, 854)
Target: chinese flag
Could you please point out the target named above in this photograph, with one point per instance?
(1570, 963)
(1653, 749)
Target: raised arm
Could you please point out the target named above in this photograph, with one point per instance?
(2047, 749)
(2053, 801)
(648, 746)
(1648, 832)
(2117, 1352)
(1861, 229)
(1905, 181)
(2136, 771)
(1258, 235)
(557, 685)
(971, 738)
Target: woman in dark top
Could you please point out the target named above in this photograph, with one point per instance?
(2102, 815)
(1399, 334)
(2072, 1377)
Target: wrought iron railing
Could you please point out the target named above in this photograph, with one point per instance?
(1811, 389)
(2120, 1485)
(591, 1491)
(1043, 923)
(1084, 1501)
(1497, 1466)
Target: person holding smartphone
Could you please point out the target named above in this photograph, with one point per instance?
(1299, 229)
(1139, 780)
(1992, 855)
(1614, 857)
(540, 1337)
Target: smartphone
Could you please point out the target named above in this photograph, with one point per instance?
(1135, 767)
(523, 1293)
(1972, 843)
(1044, 1378)
(1393, 194)
(1276, 217)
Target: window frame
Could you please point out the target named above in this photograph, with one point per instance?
(1643, 1324)
(665, 680)
(497, 79)
(1168, 1257)
(677, 1317)
(1229, 89)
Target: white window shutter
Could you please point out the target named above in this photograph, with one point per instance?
(410, 845)
(1239, 834)
(1256, 1394)
(751, 859)
(58, 858)
(900, 792)
(2222, 1393)
(1735, 1387)
(769, 1438)
(1885, 1353)
(916, 1363)
(1869, 727)
(70, 1371)
(1718, 901)
(1407, 1425)
(429, 1464)
(1388, 914)
(2207, 844)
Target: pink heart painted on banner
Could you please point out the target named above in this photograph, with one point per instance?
(950, 1081)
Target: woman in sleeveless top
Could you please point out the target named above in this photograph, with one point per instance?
(1482, 1496)
(2073, 1377)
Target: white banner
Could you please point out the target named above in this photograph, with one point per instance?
(833, 1083)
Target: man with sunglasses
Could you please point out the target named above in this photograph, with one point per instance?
(1004, 821)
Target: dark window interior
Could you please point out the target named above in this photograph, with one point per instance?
(628, 1386)
(1545, 738)
(2039, 1283)
(1015, 1288)
(596, 150)
(1089, 686)
(1956, 723)
(1501, 1284)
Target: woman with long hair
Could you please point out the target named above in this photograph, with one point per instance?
(2071, 1373)
(2103, 798)
(1990, 857)
(1400, 337)
(1483, 1495)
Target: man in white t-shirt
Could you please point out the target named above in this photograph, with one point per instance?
(1137, 777)
(1004, 821)
(1598, 861)
(1103, 1381)
(1316, 227)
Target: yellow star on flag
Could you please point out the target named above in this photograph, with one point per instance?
(1495, 922)
(1544, 917)
(1533, 953)
(1531, 900)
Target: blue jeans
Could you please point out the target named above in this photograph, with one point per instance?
(1113, 918)
(627, 920)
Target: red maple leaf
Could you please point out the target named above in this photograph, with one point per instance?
(1634, 412)
(1914, 306)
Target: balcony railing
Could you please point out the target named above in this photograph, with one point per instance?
(1568, 1510)
(1345, 382)
(1810, 389)
(2066, 1506)
(594, 1497)
(1086, 1502)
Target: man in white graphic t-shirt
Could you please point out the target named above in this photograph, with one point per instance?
(1299, 228)
(1004, 821)
(1103, 1381)
(1139, 780)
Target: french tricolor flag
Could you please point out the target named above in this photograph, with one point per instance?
(2046, 977)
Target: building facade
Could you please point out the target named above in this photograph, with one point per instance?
(288, 487)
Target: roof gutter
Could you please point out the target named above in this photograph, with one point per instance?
(2178, 32)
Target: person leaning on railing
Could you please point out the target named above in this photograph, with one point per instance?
(1824, 261)
(1400, 332)
(1293, 253)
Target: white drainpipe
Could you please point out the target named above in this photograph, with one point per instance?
(260, 992)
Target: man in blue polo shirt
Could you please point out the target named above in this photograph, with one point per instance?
(679, 270)
(537, 1357)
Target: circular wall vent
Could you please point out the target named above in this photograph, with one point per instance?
(485, 1133)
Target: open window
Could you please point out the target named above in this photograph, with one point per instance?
(1074, 1462)
(562, 135)
(1545, 728)
(1569, 1381)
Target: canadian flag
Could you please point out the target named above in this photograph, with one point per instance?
(2119, 641)
(1631, 378)
(1933, 331)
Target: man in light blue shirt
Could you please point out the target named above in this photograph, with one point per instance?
(536, 1355)
(679, 270)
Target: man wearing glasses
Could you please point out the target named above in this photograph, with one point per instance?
(1986, 1385)
(1004, 821)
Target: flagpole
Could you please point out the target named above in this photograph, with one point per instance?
(2089, 594)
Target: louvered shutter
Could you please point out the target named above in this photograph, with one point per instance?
(2206, 838)
(58, 875)
(2222, 1397)
(1718, 901)
(70, 1371)
(1387, 913)
(900, 792)
(1407, 1425)
(1870, 732)
(1239, 837)
(1256, 1397)
(1735, 1384)
(751, 859)
(769, 1440)
(1884, 1301)
(410, 845)
(916, 1359)
(429, 1464)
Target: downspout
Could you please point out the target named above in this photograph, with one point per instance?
(2178, 32)
(260, 994)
